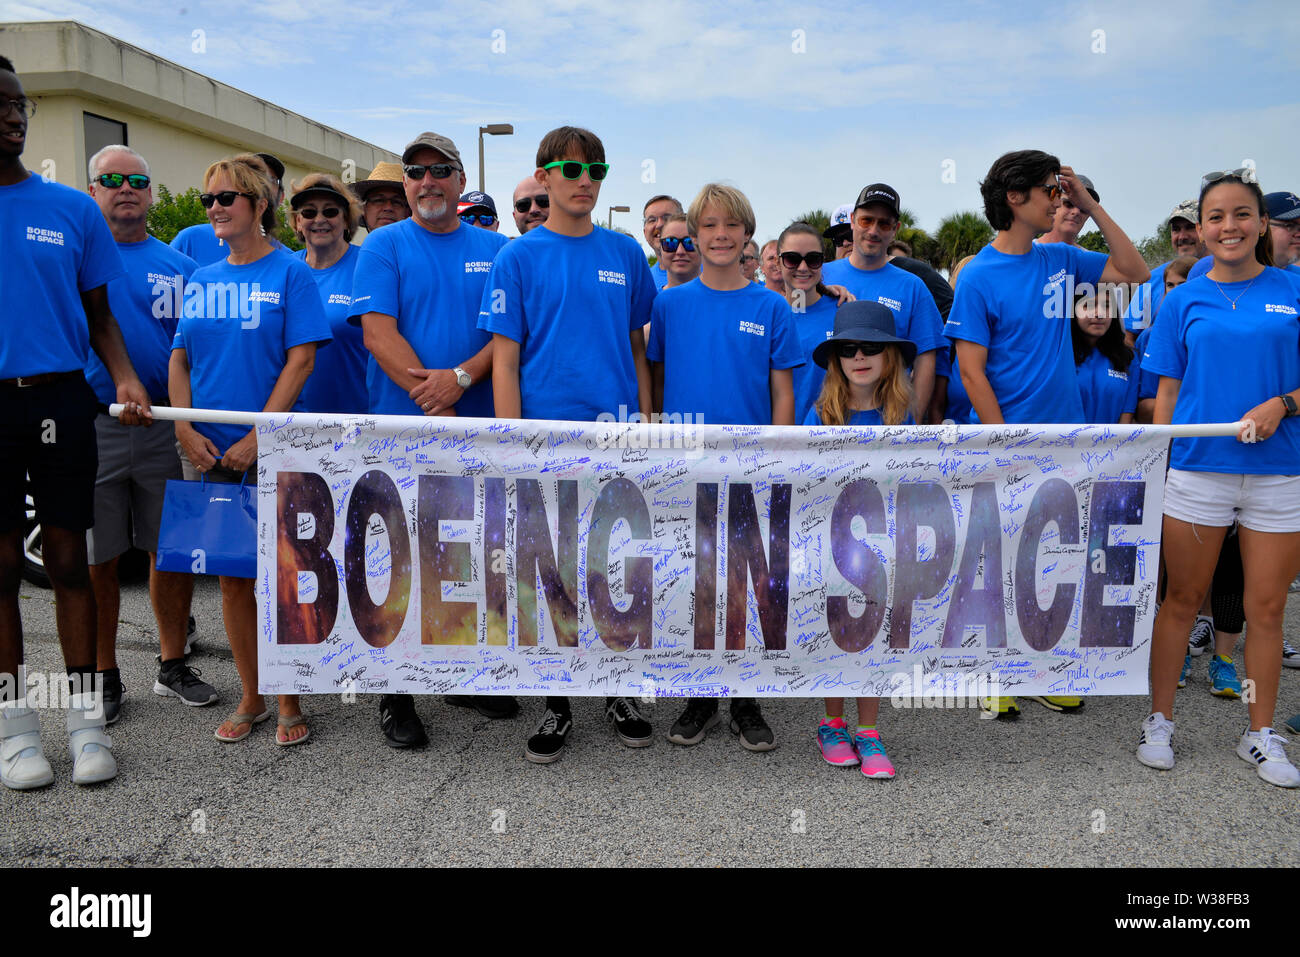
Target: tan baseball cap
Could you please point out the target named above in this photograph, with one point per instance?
(433, 141)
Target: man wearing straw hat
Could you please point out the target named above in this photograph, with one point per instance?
(383, 199)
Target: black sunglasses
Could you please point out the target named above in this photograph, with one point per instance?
(670, 244)
(572, 169)
(226, 198)
(793, 259)
(439, 170)
(847, 350)
(115, 180)
(542, 200)
(485, 219)
(309, 212)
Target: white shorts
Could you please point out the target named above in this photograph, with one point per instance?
(1263, 503)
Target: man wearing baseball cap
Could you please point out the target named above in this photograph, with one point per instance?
(201, 244)
(383, 198)
(1284, 228)
(1070, 219)
(1186, 242)
(416, 295)
(868, 274)
(840, 231)
(478, 209)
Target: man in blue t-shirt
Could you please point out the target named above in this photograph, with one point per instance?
(1012, 310)
(416, 294)
(654, 214)
(135, 464)
(867, 273)
(59, 259)
(1069, 219)
(1284, 229)
(1186, 240)
(566, 304)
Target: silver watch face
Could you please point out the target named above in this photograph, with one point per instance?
(463, 379)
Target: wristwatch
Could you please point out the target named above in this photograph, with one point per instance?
(464, 381)
(1289, 403)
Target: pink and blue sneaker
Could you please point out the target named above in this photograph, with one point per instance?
(871, 754)
(837, 748)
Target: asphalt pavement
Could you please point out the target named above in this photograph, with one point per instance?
(1048, 789)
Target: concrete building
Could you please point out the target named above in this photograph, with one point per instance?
(92, 89)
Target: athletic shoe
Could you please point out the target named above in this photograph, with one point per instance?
(548, 741)
(1263, 748)
(91, 749)
(1224, 682)
(495, 706)
(176, 679)
(1290, 657)
(837, 746)
(1058, 702)
(700, 715)
(401, 726)
(747, 721)
(1187, 670)
(1293, 724)
(1004, 708)
(1202, 637)
(629, 723)
(22, 762)
(112, 689)
(1154, 747)
(871, 752)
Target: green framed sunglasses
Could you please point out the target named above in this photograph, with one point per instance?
(572, 169)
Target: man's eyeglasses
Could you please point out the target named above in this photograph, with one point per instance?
(438, 170)
(847, 350)
(115, 180)
(226, 198)
(652, 220)
(385, 199)
(1053, 190)
(793, 259)
(485, 219)
(309, 212)
(572, 169)
(670, 244)
(747, 258)
(1243, 174)
(23, 105)
(1292, 226)
(524, 205)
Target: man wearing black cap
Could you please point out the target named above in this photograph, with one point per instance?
(1070, 219)
(478, 209)
(1284, 228)
(416, 295)
(201, 244)
(868, 274)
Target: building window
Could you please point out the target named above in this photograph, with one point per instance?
(101, 132)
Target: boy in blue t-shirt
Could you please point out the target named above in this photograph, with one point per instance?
(721, 350)
(1011, 312)
(565, 304)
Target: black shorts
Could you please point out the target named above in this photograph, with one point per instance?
(48, 432)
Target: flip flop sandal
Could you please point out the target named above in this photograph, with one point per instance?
(239, 718)
(290, 721)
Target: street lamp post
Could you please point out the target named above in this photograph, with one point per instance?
(492, 129)
(617, 209)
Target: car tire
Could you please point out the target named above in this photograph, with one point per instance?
(33, 563)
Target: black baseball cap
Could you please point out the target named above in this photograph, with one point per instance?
(880, 193)
(273, 164)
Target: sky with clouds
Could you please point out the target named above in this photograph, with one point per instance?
(800, 105)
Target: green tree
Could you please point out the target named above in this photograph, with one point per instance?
(284, 232)
(1094, 240)
(958, 236)
(820, 220)
(922, 243)
(170, 214)
(1156, 249)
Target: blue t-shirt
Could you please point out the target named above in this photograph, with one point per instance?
(146, 302)
(201, 244)
(1018, 308)
(338, 379)
(719, 349)
(1106, 392)
(238, 325)
(432, 284)
(1203, 265)
(1230, 361)
(1148, 381)
(659, 275)
(916, 317)
(959, 408)
(856, 417)
(812, 327)
(56, 246)
(571, 302)
(1146, 300)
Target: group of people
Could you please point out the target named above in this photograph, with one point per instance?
(436, 313)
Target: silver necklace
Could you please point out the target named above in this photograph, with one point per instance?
(1233, 302)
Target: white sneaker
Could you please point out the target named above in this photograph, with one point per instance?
(90, 747)
(1154, 748)
(22, 762)
(1263, 748)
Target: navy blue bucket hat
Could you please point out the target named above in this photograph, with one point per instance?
(862, 321)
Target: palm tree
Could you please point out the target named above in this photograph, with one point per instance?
(821, 220)
(958, 236)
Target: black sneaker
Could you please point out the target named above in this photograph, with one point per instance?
(176, 679)
(700, 715)
(629, 723)
(496, 707)
(747, 721)
(401, 725)
(112, 684)
(1202, 637)
(548, 741)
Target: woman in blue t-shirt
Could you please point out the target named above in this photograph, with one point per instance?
(812, 304)
(1103, 363)
(866, 383)
(1227, 349)
(246, 341)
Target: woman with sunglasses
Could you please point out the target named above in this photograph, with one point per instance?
(246, 341)
(800, 255)
(325, 217)
(1227, 349)
(867, 384)
(1107, 374)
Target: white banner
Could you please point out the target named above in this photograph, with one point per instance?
(482, 556)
